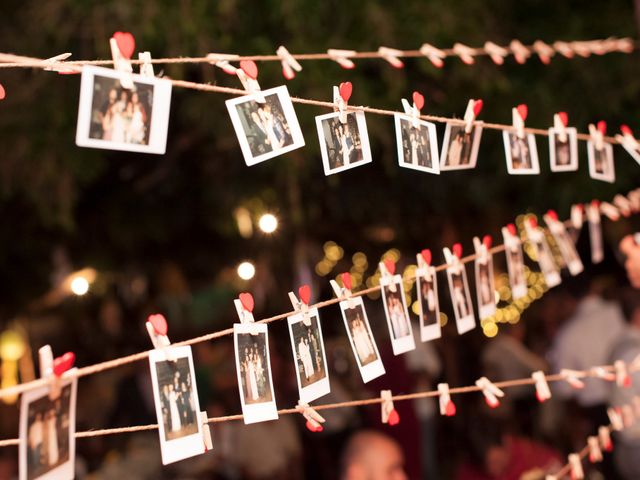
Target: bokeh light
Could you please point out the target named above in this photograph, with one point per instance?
(246, 270)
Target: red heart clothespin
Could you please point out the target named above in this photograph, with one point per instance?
(490, 391)
(314, 428)
(390, 265)
(544, 51)
(289, 64)
(626, 130)
(426, 256)
(249, 68)
(314, 419)
(341, 57)
(457, 250)
(435, 55)
(389, 415)
(573, 378)
(520, 52)
(126, 43)
(595, 454)
(604, 435)
(477, 107)
(496, 52)
(392, 56)
(3, 94)
(523, 111)
(346, 280)
(346, 88)
(533, 222)
(447, 407)
(247, 301)
(623, 379)
(564, 118)
(63, 363)
(543, 392)
(575, 464)
(159, 323)
(552, 214)
(487, 241)
(304, 292)
(465, 53)
(512, 229)
(418, 100)
(602, 127)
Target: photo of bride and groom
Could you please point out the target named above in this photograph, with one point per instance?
(254, 368)
(309, 352)
(177, 402)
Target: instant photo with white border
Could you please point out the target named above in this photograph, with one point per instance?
(571, 146)
(461, 298)
(395, 309)
(485, 288)
(131, 127)
(432, 330)
(169, 401)
(417, 151)
(264, 410)
(362, 339)
(515, 267)
(303, 355)
(532, 153)
(567, 249)
(608, 171)
(470, 141)
(545, 260)
(260, 126)
(32, 434)
(595, 234)
(338, 143)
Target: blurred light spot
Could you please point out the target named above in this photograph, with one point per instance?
(490, 329)
(246, 270)
(243, 221)
(79, 285)
(268, 223)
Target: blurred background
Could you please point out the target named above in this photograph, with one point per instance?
(94, 241)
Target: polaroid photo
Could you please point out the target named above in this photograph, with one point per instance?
(485, 287)
(253, 364)
(601, 162)
(417, 146)
(563, 155)
(362, 342)
(176, 399)
(427, 287)
(547, 265)
(309, 355)
(459, 148)
(567, 249)
(115, 118)
(461, 298)
(395, 308)
(633, 150)
(47, 432)
(515, 267)
(343, 145)
(595, 233)
(521, 153)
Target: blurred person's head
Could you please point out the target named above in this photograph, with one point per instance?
(371, 455)
(630, 303)
(489, 446)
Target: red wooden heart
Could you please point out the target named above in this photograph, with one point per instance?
(250, 68)
(305, 294)
(552, 214)
(450, 410)
(477, 107)
(457, 250)
(493, 403)
(63, 363)
(390, 265)
(126, 43)
(533, 221)
(288, 73)
(602, 127)
(540, 398)
(2, 92)
(394, 417)
(345, 90)
(312, 428)
(246, 299)
(523, 111)
(595, 203)
(564, 118)
(418, 100)
(159, 323)
(346, 280)
(426, 256)
(512, 229)
(487, 241)
(623, 128)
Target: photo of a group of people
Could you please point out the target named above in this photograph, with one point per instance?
(461, 298)
(521, 153)
(395, 309)
(459, 147)
(417, 145)
(563, 150)
(567, 249)
(47, 429)
(601, 162)
(485, 287)
(545, 260)
(343, 145)
(515, 267)
(427, 286)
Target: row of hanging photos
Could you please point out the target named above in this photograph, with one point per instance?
(183, 428)
(120, 110)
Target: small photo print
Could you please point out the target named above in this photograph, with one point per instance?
(115, 118)
(567, 250)
(265, 130)
(398, 320)
(361, 339)
(254, 372)
(459, 148)
(601, 162)
(417, 146)
(47, 433)
(547, 265)
(309, 355)
(515, 266)
(461, 298)
(343, 145)
(563, 152)
(177, 405)
(595, 234)
(427, 287)
(521, 153)
(485, 287)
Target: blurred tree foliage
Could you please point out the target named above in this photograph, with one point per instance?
(113, 209)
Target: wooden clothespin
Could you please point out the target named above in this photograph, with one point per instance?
(496, 52)
(387, 271)
(592, 211)
(583, 49)
(221, 60)
(343, 292)
(623, 204)
(474, 107)
(413, 110)
(392, 56)
(314, 419)
(435, 55)
(302, 305)
(447, 407)
(465, 53)
(543, 392)
(289, 64)
(341, 96)
(482, 248)
(603, 373)
(627, 139)
(519, 115)
(453, 256)
(54, 369)
(55, 65)
(510, 236)
(604, 435)
(244, 306)
(609, 211)
(564, 49)
(122, 47)
(490, 391)
(615, 418)
(577, 216)
(157, 329)
(425, 269)
(573, 378)
(146, 67)
(560, 122)
(597, 134)
(595, 453)
(575, 465)
(623, 379)
(206, 432)
(341, 57)
(520, 52)
(389, 414)
(248, 75)
(545, 52)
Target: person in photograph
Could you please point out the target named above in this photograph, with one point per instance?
(459, 297)
(138, 119)
(361, 339)
(601, 163)
(305, 357)
(106, 113)
(397, 317)
(35, 441)
(563, 151)
(544, 259)
(347, 144)
(486, 295)
(514, 256)
(520, 155)
(416, 145)
(459, 152)
(429, 301)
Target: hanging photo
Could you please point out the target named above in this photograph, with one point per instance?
(485, 287)
(544, 257)
(595, 233)
(417, 146)
(633, 148)
(459, 148)
(309, 355)
(343, 145)
(521, 153)
(427, 286)
(601, 162)
(515, 266)
(395, 308)
(563, 150)
(251, 342)
(265, 130)
(567, 247)
(116, 118)
(362, 342)
(47, 433)
(176, 400)
(461, 298)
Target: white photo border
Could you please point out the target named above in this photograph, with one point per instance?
(591, 150)
(433, 144)
(406, 343)
(487, 309)
(572, 136)
(533, 153)
(364, 142)
(518, 289)
(467, 323)
(433, 331)
(475, 147)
